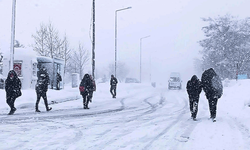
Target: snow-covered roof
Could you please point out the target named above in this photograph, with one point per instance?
(43, 59)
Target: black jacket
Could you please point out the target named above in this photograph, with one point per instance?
(58, 77)
(211, 84)
(113, 81)
(42, 82)
(87, 84)
(13, 86)
(194, 87)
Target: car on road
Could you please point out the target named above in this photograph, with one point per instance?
(174, 81)
(131, 80)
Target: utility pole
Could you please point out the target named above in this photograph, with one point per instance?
(93, 43)
(12, 35)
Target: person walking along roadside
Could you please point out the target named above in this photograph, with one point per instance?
(42, 88)
(194, 89)
(13, 90)
(113, 84)
(212, 86)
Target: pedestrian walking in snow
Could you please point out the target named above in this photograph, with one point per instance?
(91, 89)
(84, 88)
(212, 86)
(13, 90)
(58, 79)
(42, 88)
(194, 89)
(113, 84)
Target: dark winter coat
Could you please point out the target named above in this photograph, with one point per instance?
(58, 77)
(85, 85)
(13, 86)
(194, 87)
(42, 82)
(211, 84)
(113, 81)
(93, 85)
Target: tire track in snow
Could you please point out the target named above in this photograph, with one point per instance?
(153, 108)
(176, 122)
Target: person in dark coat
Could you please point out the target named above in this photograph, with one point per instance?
(42, 88)
(212, 86)
(84, 88)
(58, 79)
(13, 90)
(113, 84)
(194, 89)
(91, 89)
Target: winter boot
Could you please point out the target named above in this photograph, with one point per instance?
(37, 110)
(48, 109)
(12, 111)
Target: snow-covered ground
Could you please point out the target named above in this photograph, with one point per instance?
(141, 117)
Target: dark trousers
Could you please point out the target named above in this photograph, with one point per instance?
(10, 101)
(193, 102)
(113, 90)
(44, 96)
(85, 97)
(213, 106)
(90, 95)
(58, 85)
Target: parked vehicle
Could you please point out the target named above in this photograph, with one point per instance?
(174, 81)
(131, 80)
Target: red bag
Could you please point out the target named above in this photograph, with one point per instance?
(81, 88)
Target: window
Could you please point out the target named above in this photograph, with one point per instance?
(34, 69)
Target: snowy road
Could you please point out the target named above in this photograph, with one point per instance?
(144, 118)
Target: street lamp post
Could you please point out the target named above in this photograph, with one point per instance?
(116, 34)
(140, 52)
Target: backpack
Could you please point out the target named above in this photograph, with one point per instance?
(217, 86)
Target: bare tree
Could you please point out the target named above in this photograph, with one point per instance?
(66, 53)
(40, 40)
(79, 60)
(47, 41)
(53, 42)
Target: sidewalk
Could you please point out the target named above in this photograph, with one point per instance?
(28, 98)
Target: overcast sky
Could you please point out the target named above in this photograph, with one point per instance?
(174, 28)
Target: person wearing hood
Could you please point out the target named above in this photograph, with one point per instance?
(13, 90)
(212, 86)
(194, 89)
(85, 87)
(42, 88)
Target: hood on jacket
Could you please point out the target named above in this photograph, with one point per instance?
(12, 75)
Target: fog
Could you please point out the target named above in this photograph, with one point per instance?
(174, 28)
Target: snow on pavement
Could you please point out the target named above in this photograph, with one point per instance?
(141, 117)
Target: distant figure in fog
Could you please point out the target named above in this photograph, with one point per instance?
(194, 89)
(113, 83)
(85, 87)
(13, 90)
(212, 86)
(58, 79)
(42, 88)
